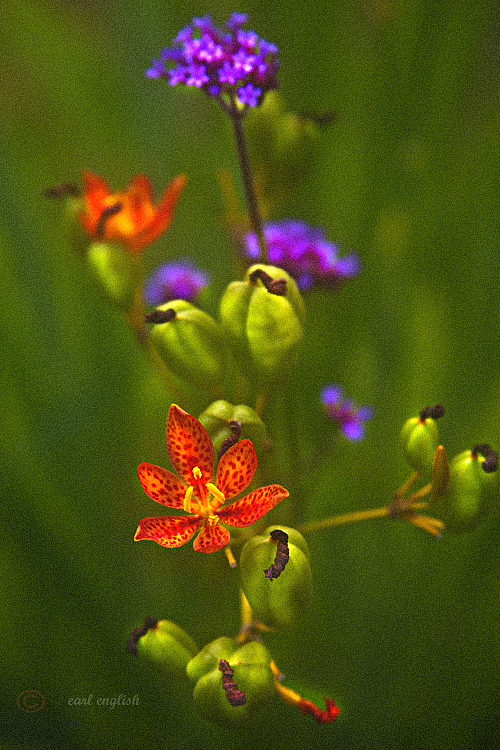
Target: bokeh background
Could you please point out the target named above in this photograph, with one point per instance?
(403, 631)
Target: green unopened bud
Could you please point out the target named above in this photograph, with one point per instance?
(282, 146)
(264, 328)
(419, 439)
(191, 344)
(114, 270)
(208, 658)
(217, 417)
(251, 680)
(440, 473)
(165, 645)
(280, 602)
(471, 492)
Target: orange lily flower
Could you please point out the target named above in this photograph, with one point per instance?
(128, 217)
(192, 455)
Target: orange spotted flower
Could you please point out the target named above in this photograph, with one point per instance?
(129, 217)
(192, 455)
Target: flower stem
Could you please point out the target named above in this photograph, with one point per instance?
(246, 173)
(327, 523)
(362, 515)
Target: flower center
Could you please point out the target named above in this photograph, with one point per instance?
(201, 504)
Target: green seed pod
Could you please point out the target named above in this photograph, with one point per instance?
(208, 658)
(263, 329)
(168, 647)
(419, 439)
(470, 495)
(251, 676)
(114, 270)
(191, 344)
(282, 146)
(216, 418)
(280, 602)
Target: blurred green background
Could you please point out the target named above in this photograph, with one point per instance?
(403, 631)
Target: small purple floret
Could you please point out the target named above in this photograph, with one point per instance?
(342, 410)
(249, 95)
(304, 253)
(235, 66)
(176, 280)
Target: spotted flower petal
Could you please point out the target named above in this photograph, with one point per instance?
(253, 506)
(169, 531)
(236, 468)
(192, 455)
(161, 485)
(189, 445)
(211, 538)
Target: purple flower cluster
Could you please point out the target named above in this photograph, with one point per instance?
(342, 411)
(305, 254)
(225, 63)
(177, 280)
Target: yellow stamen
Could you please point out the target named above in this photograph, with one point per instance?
(213, 520)
(220, 498)
(197, 473)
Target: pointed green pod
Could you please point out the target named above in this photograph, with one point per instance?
(470, 495)
(263, 329)
(168, 647)
(251, 675)
(191, 344)
(281, 602)
(419, 439)
(114, 270)
(216, 418)
(440, 473)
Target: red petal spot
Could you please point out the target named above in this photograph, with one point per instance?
(188, 445)
(250, 508)
(169, 531)
(236, 468)
(211, 538)
(161, 485)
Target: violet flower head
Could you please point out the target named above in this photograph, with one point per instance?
(342, 410)
(177, 280)
(304, 253)
(233, 65)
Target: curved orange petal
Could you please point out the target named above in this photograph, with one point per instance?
(161, 485)
(211, 538)
(162, 214)
(169, 531)
(253, 506)
(236, 468)
(96, 190)
(139, 205)
(188, 445)
(140, 187)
